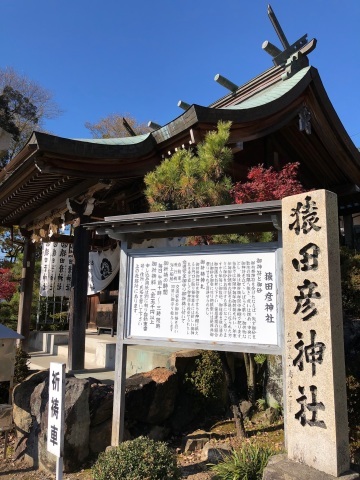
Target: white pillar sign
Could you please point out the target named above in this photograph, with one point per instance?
(317, 430)
(56, 407)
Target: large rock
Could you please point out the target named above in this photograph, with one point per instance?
(183, 360)
(77, 422)
(150, 396)
(27, 418)
(100, 436)
(185, 412)
(163, 402)
(140, 391)
(149, 402)
(31, 417)
(101, 401)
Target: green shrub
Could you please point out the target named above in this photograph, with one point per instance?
(260, 358)
(54, 327)
(139, 459)
(205, 382)
(21, 370)
(353, 403)
(246, 463)
(350, 281)
(261, 404)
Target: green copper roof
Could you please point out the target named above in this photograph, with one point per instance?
(115, 141)
(272, 93)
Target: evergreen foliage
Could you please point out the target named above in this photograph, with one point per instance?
(11, 245)
(189, 179)
(137, 459)
(350, 281)
(206, 381)
(22, 369)
(10, 308)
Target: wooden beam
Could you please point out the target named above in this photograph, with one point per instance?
(59, 239)
(78, 298)
(26, 290)
(46, 209)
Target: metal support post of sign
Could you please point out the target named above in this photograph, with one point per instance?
(59, 468)
(121, 352)
(6, 443)
(278, 225)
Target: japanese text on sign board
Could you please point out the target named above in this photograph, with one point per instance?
(219, 297)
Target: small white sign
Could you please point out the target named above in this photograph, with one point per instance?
(56, 407)
(224, 297)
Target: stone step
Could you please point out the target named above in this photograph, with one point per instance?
(139, 358)
(99, 353)
(90, 353)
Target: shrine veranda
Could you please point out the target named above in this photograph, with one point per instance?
(279, 298)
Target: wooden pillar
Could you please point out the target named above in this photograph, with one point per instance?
(26, 290)
(349, 231)
(78, 297)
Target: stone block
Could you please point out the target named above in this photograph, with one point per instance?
(215, 452)
(280, 467)
(316, 413)
(105, 355)
(196, 440)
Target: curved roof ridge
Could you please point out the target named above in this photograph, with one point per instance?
(271, 93)
(115, 141)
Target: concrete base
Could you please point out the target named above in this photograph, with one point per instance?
(281, 468)
(47, 341)
(105, 355)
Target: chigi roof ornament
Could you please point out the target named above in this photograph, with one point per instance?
(291, 55)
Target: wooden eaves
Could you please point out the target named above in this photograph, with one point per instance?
(51, 169)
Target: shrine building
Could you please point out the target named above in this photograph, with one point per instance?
(282, 115)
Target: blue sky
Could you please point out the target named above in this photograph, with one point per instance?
(142, 57)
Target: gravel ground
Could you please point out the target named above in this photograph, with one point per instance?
(191, 466)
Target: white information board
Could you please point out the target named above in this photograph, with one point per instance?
(222, 297)
(56, 407)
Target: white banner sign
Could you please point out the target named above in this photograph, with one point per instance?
(56, 407)
(103, 267)
(56, 269)
(220, 297)
(57, 264)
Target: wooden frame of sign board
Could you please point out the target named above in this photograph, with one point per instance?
(261, 216)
